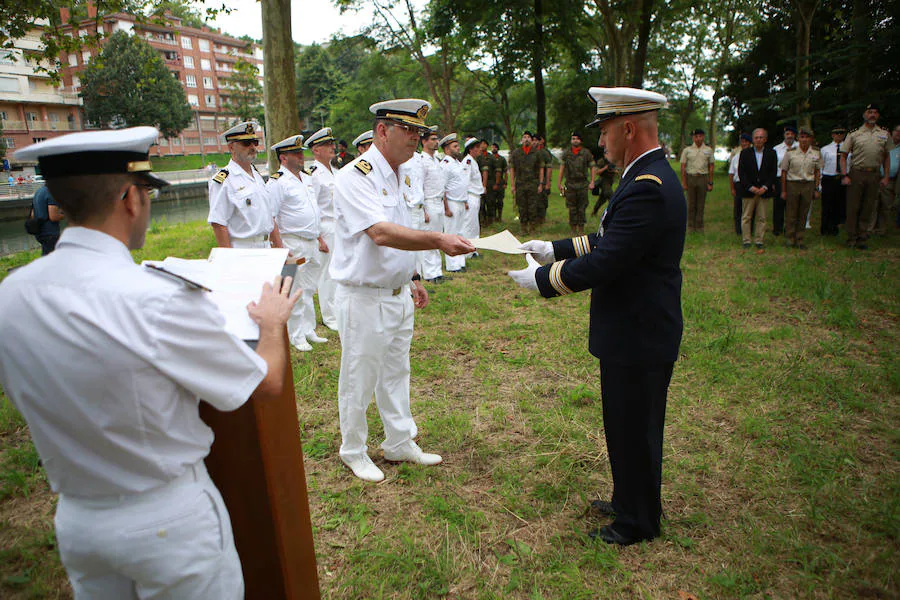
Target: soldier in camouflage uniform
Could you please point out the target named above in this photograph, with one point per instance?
(484, 163)
(548, 177)
(607, 173)
(497, 181)
(576, 177)
(526, 170)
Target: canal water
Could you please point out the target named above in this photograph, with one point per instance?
(175, 210)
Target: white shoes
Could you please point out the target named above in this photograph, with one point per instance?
(315, 339)
(363, 467)
(302, 345)
(410, 452)
(330, 324)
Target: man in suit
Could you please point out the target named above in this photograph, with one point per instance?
(632, 267)
(757, 174)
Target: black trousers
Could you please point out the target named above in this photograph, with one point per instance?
(47, 242)
(737, 212)
(779, 206)
(634, 411)
(834, 204)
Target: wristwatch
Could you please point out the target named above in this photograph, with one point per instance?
(416, 277)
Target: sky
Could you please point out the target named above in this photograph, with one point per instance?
(311, 20)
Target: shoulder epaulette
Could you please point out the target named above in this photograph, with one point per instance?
(363, 167)
(276, 175)
(310, 170)
(221, 176)
(649, 177)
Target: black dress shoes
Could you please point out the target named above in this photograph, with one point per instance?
(611, 536)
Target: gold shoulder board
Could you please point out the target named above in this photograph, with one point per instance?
(311, 170)
(276, 175)
(649, 178)
(221, 176)
(363, 167)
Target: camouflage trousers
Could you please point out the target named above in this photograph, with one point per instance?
(576, 202)
(528, 201)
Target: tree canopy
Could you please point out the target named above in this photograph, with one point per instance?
(128, 84)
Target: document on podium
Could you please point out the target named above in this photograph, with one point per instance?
(501, 242)
(234, 278)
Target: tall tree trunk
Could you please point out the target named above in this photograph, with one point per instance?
(805, 10)
(282, 118)
(537, 65)
(640, 55)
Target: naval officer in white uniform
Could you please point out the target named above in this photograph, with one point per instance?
(363, 141)
(297, 218)
(107, 362)
(240, 211)
(321, 143)
(455, 191)
(378, 289)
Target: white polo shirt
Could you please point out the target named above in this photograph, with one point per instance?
(368, 191)
(413, 170)
(298, 211)
(323, 184)
(456, 179)
(432, 176)
(107, 362)
(241, 203)
(830, 164)
(474, 184)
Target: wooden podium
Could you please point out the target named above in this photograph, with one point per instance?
(257, 463)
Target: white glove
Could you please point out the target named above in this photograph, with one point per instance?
(542, 251)
(525, 277)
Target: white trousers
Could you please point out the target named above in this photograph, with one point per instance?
(376, 330)
(431, 259)
(471, 227)
(326, 284)
(454, 225)
(172, 542)
(253, 242)
(303, 315)
(417, 217)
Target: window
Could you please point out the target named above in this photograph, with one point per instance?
(3, 115)
(193, 100)
(192, 141)
(36, 140)
(189, 62)
(190, 81)
(9, 84)
(210, 141)
(204, 64)
(73, 60)
(86, 57)
(186, 43)
(170, 55)
(9, 142)
(210, 101)
(76, 83)
(31, 117)
(32, 85)
(54, 118)
(204, 46)
(207, 83)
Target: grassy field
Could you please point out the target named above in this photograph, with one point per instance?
(781, 453)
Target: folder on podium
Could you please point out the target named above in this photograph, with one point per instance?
(256, 461)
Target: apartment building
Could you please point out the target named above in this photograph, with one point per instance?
(32, 109)
(201, 59)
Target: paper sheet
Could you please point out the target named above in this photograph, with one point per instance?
(236, 277)
(501, 242)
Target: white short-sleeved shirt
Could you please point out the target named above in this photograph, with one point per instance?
(323, 184)
(413, 170)
(780, 151)
(298, 211)
(241, 203)
(107, 362)
(733, 166)
(433, 176)
(474, 184)
(830, 159)
(456, 179)
(368, 191)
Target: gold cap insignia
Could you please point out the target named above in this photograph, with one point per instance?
(422, 112)
(249, 128)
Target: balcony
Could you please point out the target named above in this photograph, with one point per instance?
(9, 125)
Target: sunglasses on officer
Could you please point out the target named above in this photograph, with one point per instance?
(248, 143)
(152, 190)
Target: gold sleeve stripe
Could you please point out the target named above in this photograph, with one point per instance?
(582, 245)
(556, 278)
(649, 178)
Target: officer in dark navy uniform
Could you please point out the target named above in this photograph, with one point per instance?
(632, 266)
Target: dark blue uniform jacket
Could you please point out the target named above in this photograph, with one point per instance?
(631, 266)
